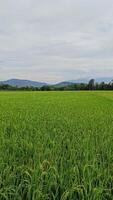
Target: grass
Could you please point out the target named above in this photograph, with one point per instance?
(56, 145)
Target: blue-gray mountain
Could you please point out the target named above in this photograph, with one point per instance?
(28, 83)
(98, 80)
(22, 83)
(64, 84)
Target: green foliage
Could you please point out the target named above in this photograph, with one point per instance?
(56, 146)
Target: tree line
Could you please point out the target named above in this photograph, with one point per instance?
(91, 85)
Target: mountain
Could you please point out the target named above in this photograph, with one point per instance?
(84, 80)
(22, 83)
(105, 79)
(63, 84)
(98, 80)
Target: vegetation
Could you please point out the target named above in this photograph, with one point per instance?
(56, 146)
(92, 85)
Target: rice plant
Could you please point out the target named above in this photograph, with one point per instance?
(56, 145)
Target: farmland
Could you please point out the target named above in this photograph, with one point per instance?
(56, 145)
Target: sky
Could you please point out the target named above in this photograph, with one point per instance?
(52, 41)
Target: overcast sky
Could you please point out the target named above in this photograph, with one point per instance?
(55, 40)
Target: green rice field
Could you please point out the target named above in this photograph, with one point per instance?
(56, 145)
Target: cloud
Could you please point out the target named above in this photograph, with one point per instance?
(51, 40)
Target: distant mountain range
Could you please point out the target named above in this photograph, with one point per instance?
(98, 80)
(23, 83)
(85, 80)
(29, 83)
(64, 83)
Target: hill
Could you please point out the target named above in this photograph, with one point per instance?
(63, 84)
(23, 83)
(98, 80)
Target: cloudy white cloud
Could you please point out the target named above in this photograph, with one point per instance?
(49, 40)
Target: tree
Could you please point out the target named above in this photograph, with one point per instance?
(91, 84)
(45, 88)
